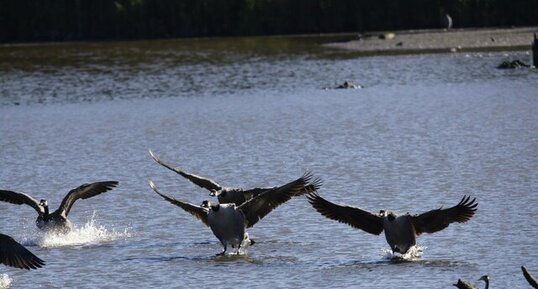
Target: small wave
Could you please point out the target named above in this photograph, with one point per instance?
(5, 281)
(89, 234)
(414, 253)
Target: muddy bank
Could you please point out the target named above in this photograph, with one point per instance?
(453, 40)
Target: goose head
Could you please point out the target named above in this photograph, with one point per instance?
(211, 207)
(388, 214)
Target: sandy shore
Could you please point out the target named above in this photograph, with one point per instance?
(440, 41)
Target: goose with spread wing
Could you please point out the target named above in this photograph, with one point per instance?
(57, 221)
(400, 231)
(224, 194)
(16, 255)
(229, 221)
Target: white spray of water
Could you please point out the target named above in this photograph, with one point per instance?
(414, 253)
(5, 281)
(243, 250)
(89, 234)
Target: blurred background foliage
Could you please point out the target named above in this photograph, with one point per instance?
(65, 20)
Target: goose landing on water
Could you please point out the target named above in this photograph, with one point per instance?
(57, 221)
(224, 194)
(229, 222)
(15, 255)
(400, 231)
(464, 285)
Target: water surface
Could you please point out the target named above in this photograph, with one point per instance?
(425, 130)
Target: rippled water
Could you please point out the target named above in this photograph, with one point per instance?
(423, 132)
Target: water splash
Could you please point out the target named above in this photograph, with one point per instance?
(414, 253)
(5, 281)
(243, 250)
(89, 234)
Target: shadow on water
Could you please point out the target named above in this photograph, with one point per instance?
(372, 265)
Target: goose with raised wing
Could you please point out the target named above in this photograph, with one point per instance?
(57, 221)
(224, 194)
(400, 231)
(229, 221)
(16, 255)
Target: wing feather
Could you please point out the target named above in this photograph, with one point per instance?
(19, 199)
(16, 255)
(84, 192)
(197, 211)
(261, 205)
(352, 216)
(531, 279)
(437, 220)
(197, 180)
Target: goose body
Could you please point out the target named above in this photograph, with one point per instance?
(229, 222)
(57, 221)
(224, 194)
(400, 231)
(16, 255)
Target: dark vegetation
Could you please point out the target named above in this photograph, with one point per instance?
(60, 20)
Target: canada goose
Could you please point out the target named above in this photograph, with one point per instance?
(224, 194)
(57, 221)
(531, 279)
(464, 285)
(400, 231)
(229, 222)
(15, 255)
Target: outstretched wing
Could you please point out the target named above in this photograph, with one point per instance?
(254, 192)
(197, 211)
(197, 180)
(84, 192)
(15, 255)
(436, 220)
(352, 216)
(19, 199)
(532, 281)
(261, 205)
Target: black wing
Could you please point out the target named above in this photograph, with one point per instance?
(352, 216)
(197, 211)
(15, 255)
(261, 205)
(529, 277)
(254, 192)
(19, 199)
(197, 180)
(84, 192)
(437, 220)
